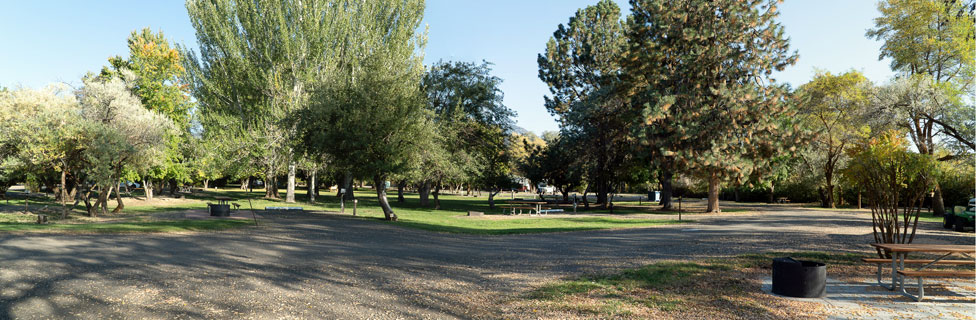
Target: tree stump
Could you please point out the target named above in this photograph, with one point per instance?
(42, 219)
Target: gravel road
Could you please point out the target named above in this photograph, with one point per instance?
(342, 268)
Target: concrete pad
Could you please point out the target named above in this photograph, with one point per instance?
(944, 299)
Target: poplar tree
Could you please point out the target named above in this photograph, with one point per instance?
(256, 63)
(699, 72)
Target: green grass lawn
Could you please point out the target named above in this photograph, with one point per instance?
(450, 218)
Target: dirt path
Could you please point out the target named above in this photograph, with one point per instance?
(335, 267)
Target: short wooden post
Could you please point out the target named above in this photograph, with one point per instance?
(355, 202)
(679, 208)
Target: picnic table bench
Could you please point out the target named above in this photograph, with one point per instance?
(899, 253)
(525, 205)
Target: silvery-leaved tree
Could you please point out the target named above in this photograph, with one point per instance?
(699, 73)
(157, 68)
(123, 135)
(931, 44)
(42, 133)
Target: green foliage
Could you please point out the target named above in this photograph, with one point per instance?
(833, 110)
(957, 179)
(932, 44)
(156, 70)
(466, 106)
(932, 37)
(895, 181)
(555, 163)
(581, 67)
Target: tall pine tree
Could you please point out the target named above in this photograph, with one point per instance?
(700, 74)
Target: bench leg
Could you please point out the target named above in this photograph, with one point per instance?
(921, 291)
(882, 284)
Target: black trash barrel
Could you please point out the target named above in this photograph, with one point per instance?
(798, 278)
(220, 210)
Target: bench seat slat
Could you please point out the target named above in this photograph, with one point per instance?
(937, 273)
(919, 261)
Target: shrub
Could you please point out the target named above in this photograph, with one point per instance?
(895, 181)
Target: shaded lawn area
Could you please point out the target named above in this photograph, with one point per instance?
(679, 289)
(122, 227)
(450, 218)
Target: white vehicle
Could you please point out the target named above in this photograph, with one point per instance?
(543, 188)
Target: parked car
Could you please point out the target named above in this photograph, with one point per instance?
(959, 218)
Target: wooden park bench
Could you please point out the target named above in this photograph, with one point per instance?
(899, 253)
(920, 274)
(882, 262)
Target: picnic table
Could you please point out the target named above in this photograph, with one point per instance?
(223, 199)
(537, 205)
(899, 253)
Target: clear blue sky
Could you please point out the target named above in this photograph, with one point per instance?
(51, 41)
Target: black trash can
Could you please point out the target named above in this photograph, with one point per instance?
(799, 279)
(220, 210)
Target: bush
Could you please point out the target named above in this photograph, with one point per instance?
(895, 181)
(958, 181)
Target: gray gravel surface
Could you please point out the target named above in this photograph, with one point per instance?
(322, 266)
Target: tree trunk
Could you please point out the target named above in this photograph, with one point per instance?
(88, 205)
(380, 185)
(270, 188)
(424, 191)
(436, 193)
(823, 197)
(736, 194)
(290, 191)
(147, 189)
(772, 192)
(245, 183)
(714, 185)
(103, 199)
(172, 187)
(347, 184)
(586, 197)
(664, 177)
(565, 193)
(830, 196)
(400, 185)
(491, 197)
(938, 205)
(601, 193)
(118, 200)
(64, 192)
(206, 184)
(313, 188)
